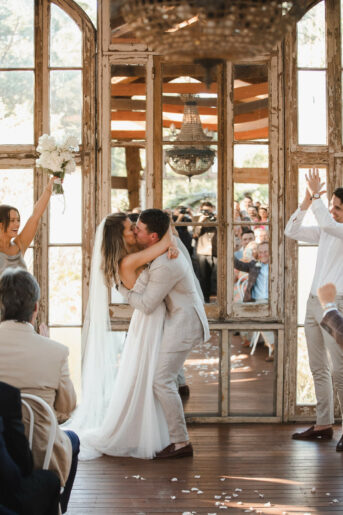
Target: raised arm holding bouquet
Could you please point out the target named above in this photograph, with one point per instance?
(56, 159)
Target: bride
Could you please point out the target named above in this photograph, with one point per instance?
(119, 415)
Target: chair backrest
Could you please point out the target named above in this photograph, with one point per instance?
(53, 423)
(241, 285)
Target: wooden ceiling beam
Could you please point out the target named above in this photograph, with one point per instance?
(241, 93)
(128, 104)
(128, 90)
(140, 116)
(239, 136)
(251, 91)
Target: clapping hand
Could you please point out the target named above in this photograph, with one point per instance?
(326, 294)
(313, 181)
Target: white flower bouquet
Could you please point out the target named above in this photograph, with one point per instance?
(57, 159)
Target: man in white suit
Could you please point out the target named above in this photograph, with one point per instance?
(37, 365)
(325, 356)
(172, 282)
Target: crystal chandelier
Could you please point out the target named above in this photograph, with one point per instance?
(190, 160)
(206, 30)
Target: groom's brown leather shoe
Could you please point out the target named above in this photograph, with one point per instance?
(312, 434)
(171, 452)
(339, 446)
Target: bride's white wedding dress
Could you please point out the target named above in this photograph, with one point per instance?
(134, 423)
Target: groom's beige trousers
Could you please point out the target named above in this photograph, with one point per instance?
(326, 360)
(166, 390)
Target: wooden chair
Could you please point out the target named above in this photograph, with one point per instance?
(53, 424)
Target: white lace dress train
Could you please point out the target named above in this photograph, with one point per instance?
(134, 424)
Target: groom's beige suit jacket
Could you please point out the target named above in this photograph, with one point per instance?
(172, 281)
(37, 365)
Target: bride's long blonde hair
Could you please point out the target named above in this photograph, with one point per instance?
(113, 247)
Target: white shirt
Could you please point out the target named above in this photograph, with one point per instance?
(329, 237)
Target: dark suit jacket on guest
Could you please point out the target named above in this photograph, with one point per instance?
(333, 323)
(14, 433)
(22, 489)
(253, 268)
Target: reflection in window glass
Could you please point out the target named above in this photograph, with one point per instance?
(177, 189)
(65, 265)
(71, 337)
(16, 29)
(312, 123)
(306, 264)
(66, 103)
(311, 38)
(201, 370)
(16, 189)
(305, 386)
(16, 107)
(65, 39)
(252, 373)
(251, 261)
(251, 91)
(65, 211)
(128, 118)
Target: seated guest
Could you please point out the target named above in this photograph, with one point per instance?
(22, 489)
(37, 365)
(332, 320)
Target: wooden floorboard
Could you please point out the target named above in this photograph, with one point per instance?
(246, 468)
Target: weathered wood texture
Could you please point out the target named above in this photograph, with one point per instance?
(243, 467)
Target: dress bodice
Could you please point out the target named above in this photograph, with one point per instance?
(7, 261)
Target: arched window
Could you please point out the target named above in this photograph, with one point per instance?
(47, 76)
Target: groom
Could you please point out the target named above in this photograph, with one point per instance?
(171, 281)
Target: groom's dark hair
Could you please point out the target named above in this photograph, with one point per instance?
(156, 221)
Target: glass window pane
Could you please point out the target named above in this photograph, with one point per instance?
(253, 373)
(201, 375)
(128, 102)
(29, 259)
(16, 189)
(312, 122)
(71, 337)
(251, 156)
(65, 39)
(89, 6)
(65, 211)
(65, 266)
(305, 386)
(119, 200)
(252, 259)
(311, 38)
(66, 103)
(16, 107)
(189, 107)
(16, 34)
(251, 114)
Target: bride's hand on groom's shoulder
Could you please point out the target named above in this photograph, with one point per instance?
(173, 252)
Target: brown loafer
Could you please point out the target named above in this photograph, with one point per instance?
(184, 390)
(312, 434)
(171, 452)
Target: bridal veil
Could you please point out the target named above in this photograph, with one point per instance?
(101, 349)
